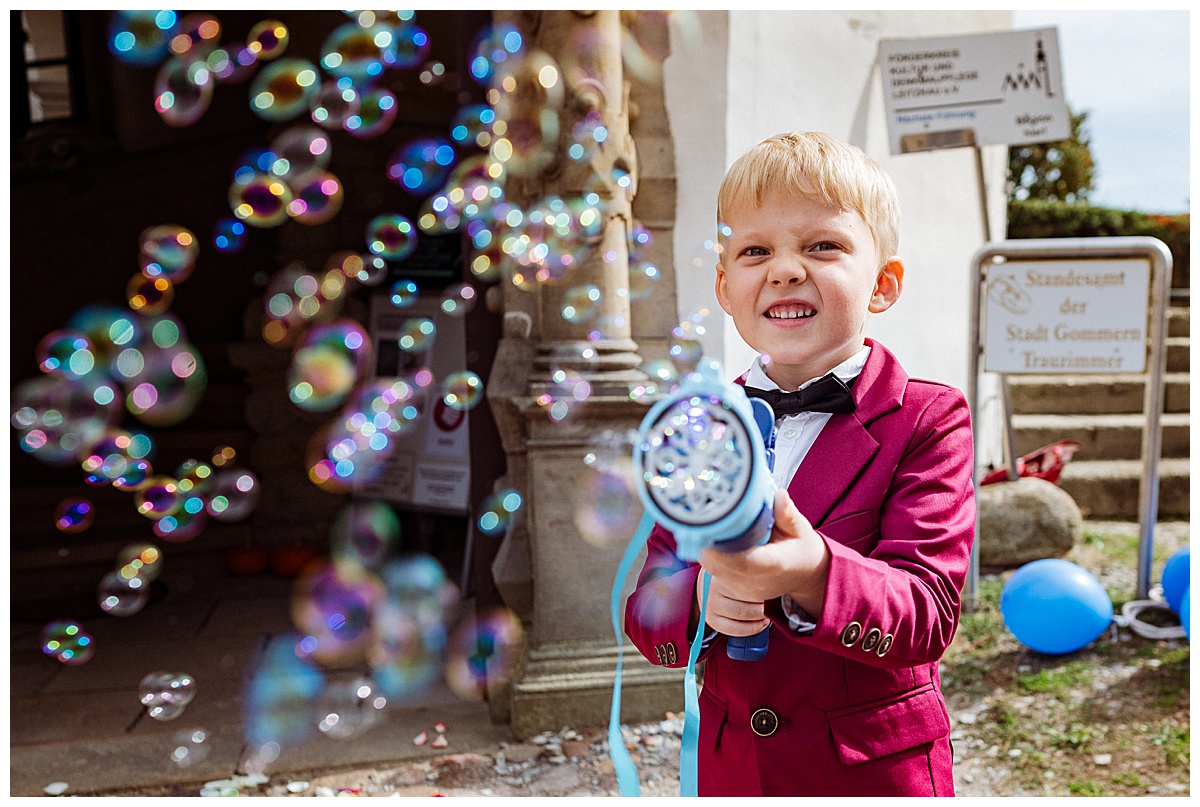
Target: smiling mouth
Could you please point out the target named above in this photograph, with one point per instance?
(790, 312)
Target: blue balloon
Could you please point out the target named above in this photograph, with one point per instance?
(1185, 613)
(1055, 606)
(1177, 577)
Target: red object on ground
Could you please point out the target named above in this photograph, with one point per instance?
(288, 560)
(1045, 463)
(244, 561)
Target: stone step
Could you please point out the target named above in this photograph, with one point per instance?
(1179, 354)
(1094, 394)
(1109, 489)
(1179, 320)
(1102, 437)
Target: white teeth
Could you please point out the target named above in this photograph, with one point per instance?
(789, 313)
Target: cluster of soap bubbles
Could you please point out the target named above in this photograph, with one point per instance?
(375, 628)
(126, 589)
(165, 694)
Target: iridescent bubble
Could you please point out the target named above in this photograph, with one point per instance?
(229, 236)
(232, 63)
(252, 161)
(187, 522)
(334, 104)
(459, 299)
(358, 53)
(183, 90)
(194, 477)
(268, 39)
(165, 694)
(473, 125)
(67, 642)
(198, 35)
(462, 390)
(404, 293)
(140, 560)
(159, 496)
(284, 89)
(684, 344)
(149, 295)
(587, 137)
(107, 326)
(136, 472)
(422, 165)
(320, 377)
(372, 271)
(294, 296)
(609, 189)
(376, 112)
(643, 279)
(432, 73)
(497, 511)
(349, 707)
(410, 48)
(119, 595)
(66, 353)
(494, 46)
(280, 696)
(336, 610)
(189, 747)
(140, 37)
(607, 509)
(391, 236)
(484, 652)
(168, 386)
(364, 536)
(261, 200)
(581, 303)
(113, 451)
(416, 335)
(530, 137)
(169, 251)
(563, 394)
(234, 496)
(57, 417)
(300, 151)
(223, 456)
(639, 242)
(317, 198)
(74, 515)
(407, 652)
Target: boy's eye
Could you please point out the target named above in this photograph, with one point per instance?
(825, 246)
(754, 252)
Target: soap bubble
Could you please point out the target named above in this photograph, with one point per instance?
(335, 609)
(607, 509)
(358, 53)
(458, 299)
(410, 48)
(644, 278)
(190, 747)
(410, 626)
(684, 345)
(567, 388)
(140, 37)
(495, 46)
(140, 560)
(280, 696)
(198, 35)
(268, 39)
(66, 353)
(74, 515)
(581, 303)
(136, 472)
(317, 198)
(194, 477)
(348, 707)
(376, 112)
(229, 236)
(235, 494)
(118, 595)
(232, 63)
(159, 496)
(183, 90)
(334, 104)
(149, 295)
(186, 523)
(67, 642)
(404, 293)
(365, 534)
(473, 125)
(260, 200)
(169, 251)
(165, 694)
(299, 151)
(422, 165)
(328, 362)
(391, 236)
(587, 137)
(483, 652)
(497, 511)
(462, 390)
(284, 89)
(639, 242)
(416, 335)
(57, 417)
(168, 386)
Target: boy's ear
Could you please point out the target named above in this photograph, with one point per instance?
(722, 292)
(888, 285)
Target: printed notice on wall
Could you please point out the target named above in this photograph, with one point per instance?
(1067, 316)
(982, 89)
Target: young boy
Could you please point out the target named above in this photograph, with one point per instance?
(859, 583)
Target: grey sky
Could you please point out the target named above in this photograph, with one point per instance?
(1129, 70)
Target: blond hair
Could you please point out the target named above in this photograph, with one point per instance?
(820, 167)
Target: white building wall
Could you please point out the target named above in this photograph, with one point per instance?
(758, 73)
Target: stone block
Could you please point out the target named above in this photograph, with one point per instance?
(1026, 520)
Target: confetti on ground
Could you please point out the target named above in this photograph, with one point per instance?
(421, 738)
(439, 741)
(55, 788)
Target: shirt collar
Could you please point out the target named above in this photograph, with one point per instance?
(757, 377)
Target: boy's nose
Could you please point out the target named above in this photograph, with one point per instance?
(787, 273)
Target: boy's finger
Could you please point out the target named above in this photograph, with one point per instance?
(789, 522)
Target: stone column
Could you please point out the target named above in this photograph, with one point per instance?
(561, 581)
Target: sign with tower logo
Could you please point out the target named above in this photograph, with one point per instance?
(977, 90)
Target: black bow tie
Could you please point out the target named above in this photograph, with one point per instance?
(829, 394)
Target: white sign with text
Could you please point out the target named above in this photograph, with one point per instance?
(975, 90)
(1082, 316)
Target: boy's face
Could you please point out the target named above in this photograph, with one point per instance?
(799, 278)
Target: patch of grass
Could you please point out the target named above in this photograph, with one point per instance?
(1073, 675)
(1176, 745)
(1076, 736)
(1087, 788)
(1128, 779)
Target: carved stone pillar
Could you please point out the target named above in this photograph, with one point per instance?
(562, 582)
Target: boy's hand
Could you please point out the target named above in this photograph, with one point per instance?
(794, 561)
(729, 615)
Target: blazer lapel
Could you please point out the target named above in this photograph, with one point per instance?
(845, 446)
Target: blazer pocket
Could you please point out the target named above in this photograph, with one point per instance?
(853, 530)
(870, 731)
(712, 721)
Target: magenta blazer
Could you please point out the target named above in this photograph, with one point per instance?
(855, 708)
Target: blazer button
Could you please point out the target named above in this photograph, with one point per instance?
(671, 655)
(764, 722)
(884, 646)
(851, 633)
(871, 639)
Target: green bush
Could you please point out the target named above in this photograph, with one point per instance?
(1036, 218)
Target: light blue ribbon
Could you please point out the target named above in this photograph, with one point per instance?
(627, 778)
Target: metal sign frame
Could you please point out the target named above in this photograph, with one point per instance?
(1081, 249)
